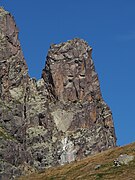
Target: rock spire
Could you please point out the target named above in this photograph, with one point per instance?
(56, 120)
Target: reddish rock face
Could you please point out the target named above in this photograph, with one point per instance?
(13, 68)
(71, 71)
(58, 119)
(71, 78)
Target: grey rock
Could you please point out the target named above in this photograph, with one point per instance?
(123, 159)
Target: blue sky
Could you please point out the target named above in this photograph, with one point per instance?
(108, 26)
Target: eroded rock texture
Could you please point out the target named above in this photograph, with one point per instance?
(55, 120)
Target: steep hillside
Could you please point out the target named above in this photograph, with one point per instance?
(96, 167)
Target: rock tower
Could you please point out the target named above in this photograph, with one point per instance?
(56, 120)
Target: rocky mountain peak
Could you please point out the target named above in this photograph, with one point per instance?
(13, 68)
(56, 120)
(70, 71)
(71, 79)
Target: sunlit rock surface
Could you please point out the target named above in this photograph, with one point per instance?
(56, 120)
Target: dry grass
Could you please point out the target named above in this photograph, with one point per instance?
(85, 169)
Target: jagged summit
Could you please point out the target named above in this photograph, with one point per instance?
(58, 119)
(71, 70)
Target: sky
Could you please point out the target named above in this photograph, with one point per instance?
(108, 26)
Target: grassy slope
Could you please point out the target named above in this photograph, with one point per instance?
(85, 169)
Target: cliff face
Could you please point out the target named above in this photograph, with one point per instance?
(58, 119)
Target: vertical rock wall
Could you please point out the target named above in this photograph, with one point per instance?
(13, 82)
(77, 107)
